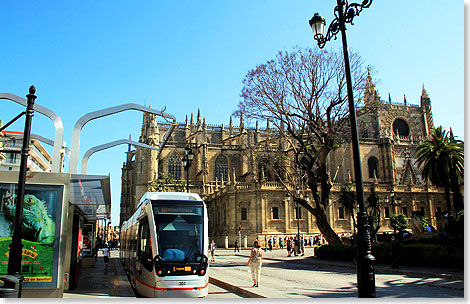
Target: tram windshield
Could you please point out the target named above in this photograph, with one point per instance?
(179, 231)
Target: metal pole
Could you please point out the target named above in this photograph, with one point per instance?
(298, 225)
(364, 260)
(187, 177)
(14, 262)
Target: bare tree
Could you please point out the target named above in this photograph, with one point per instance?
(303, 94)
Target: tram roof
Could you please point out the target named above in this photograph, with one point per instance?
(176, 196)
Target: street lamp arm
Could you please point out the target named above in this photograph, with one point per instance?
(354, 9)
(333, 30)
(349, 12)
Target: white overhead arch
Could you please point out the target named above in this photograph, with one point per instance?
(58, 126)
(74, 155)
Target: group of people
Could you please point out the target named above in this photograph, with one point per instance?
(283, 241)
(295, 246)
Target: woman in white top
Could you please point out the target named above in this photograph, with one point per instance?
(212, 249)
(255, 261)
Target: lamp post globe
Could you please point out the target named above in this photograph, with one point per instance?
(190, 155)
(317, 23)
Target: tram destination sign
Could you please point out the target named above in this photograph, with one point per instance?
(179, 210)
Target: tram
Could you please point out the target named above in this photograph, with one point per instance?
(164, 246)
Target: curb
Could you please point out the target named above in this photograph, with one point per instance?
(235, 289)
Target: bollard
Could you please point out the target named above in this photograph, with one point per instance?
(10, 288)
(226, 242)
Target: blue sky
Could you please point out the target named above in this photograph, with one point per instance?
(83, 56)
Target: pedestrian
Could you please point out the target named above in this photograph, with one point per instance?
(270, 244)
(395, 252)
(255, 261)
(106, 255)
(237, 247)
(302, 244)
(289, 247)
(212, 248)
(296, 246)
(281, 243)
(95, 252)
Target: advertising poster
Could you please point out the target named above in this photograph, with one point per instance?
(42, 209)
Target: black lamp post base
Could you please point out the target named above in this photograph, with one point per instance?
(365, 275)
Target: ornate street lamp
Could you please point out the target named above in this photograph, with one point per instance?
(297, 209)
(345, 13)
(187, 161)
(394, 202)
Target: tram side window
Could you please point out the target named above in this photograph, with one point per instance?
(133, 242)
(145, 249)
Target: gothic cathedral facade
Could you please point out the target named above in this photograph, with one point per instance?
(240, 196)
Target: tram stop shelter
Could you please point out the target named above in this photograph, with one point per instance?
(60, 227)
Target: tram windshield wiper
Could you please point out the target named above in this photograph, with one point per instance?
(193, 244)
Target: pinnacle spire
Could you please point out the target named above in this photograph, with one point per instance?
(424, 93)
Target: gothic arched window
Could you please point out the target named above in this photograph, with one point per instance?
(221, 168)
(373, 165)
(174, 166)
(400, 127)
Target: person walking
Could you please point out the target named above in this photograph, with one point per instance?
(395, 252)
(296, 246)
(106, 256)
(212, 249)
(255, 261)
(289, 247)
(270, 244)
(237, 247)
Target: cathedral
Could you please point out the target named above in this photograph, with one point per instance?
(243, 201)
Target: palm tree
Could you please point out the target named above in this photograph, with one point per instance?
(457, 173)
(442, 160)
(347, 198)
(373, 213)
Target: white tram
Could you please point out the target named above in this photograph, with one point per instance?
(164, 246)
